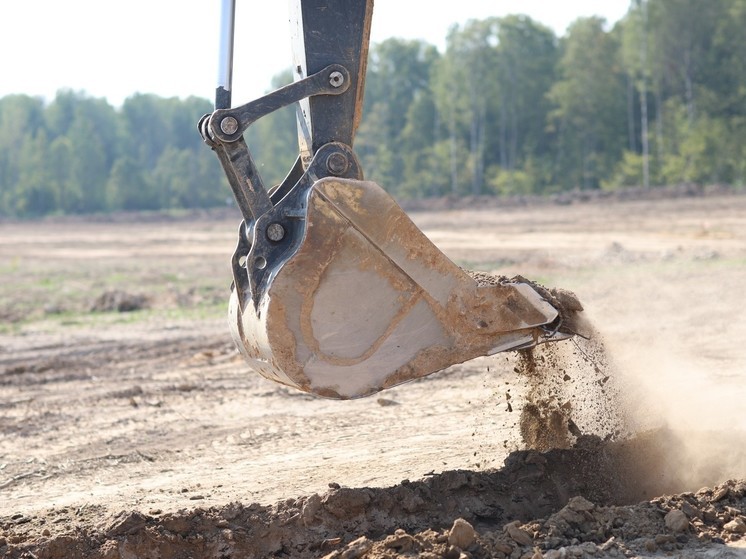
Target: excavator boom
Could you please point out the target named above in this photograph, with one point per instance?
(335, 290)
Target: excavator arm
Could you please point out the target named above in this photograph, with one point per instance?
(335, 290)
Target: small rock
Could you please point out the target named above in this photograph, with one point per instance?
(690, 511)
(710, 515)
(126, 523)
(462, 534)
(720, 494)
(503, 547)
(568, 516)
(517, 534)
(356, 548)
(736, 526)
(661, 539)
(46, 533)
(580, 504)
(651, 546)
(676, 521)
(401, 542)
(310, 508)
(537, 555)
(556, 554)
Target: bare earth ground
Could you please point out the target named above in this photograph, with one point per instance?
(142, 433)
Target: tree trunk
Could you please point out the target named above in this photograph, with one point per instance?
(644, 100)
(454, 154)
(632, 144)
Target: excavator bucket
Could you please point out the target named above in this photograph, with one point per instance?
(336, 291)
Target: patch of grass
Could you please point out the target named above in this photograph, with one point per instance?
(10, 328)
(11, 267)
(72, 319)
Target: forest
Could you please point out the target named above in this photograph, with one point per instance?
(507, 109)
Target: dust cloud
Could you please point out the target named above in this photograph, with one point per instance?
(668, 424)
(701, 411)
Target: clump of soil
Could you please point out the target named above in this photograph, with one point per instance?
(120, 301)
(564, 301)
(484, 278)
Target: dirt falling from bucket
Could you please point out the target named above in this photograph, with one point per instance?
(572, 391)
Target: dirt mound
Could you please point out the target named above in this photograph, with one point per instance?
(119, 301)
(584, 529)
(571, 197)
(565, 498)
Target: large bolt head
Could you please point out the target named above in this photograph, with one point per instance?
(336, 79)
(229, 125)
(337, 163)
(275, 232)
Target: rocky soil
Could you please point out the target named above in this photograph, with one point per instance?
(592, 500)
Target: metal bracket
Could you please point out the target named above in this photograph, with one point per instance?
(269, 241)
(227, 125)
(223, 131)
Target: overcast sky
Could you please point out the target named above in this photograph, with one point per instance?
(116, 48)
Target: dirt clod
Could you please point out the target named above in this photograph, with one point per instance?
(676, 521)
(736, 526)
(517, 534)
(120, 301)
(462, 534)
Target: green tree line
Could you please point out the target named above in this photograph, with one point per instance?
(507, 108)
(80, 155)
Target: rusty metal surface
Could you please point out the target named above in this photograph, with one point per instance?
(368, 302)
